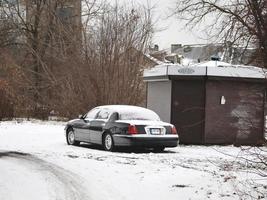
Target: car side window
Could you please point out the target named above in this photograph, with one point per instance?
(92, 113)
(103, 114)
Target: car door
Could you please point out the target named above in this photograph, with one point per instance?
(83, 132)
(79, 129)
(96, 126)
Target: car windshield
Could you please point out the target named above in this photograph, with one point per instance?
(139, 114)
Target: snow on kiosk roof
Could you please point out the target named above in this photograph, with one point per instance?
(210, 68)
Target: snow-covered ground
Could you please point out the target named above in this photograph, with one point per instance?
(36, 163)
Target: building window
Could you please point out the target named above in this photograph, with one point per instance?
(65, 14)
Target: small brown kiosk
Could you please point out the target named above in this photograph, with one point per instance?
(210, 103)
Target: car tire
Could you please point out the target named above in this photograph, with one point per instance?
(70, 137)
(158, 149)
(108, 142)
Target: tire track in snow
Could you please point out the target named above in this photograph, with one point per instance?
(58, 178)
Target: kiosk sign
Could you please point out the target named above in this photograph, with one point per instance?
(186, 70)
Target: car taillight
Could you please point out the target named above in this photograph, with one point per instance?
(132, 130)
(174, 131)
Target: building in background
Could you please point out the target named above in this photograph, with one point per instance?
(63, 17)
(51, 19)
(196, 53)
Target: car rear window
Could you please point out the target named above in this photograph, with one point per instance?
(139, 114)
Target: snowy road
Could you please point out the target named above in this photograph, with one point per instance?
(36, 163)
(37, 179)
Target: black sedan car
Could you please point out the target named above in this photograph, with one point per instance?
(120, 125)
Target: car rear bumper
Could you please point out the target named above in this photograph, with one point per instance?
(146, 140)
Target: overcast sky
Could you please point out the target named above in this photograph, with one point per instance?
(173, 31)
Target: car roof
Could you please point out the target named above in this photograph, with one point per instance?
(127, 109)
(123, 108)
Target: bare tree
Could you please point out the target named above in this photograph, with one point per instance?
(99, 60)
(48, 34)
(114, 52)
(238, 22)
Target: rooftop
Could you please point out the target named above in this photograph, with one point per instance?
(209, 68)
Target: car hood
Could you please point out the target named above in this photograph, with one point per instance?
(144, 122)
(72, 121)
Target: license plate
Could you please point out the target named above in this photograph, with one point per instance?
(155, 131)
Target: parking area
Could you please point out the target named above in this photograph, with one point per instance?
(35, 154)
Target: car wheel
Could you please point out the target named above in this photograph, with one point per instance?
(158, 149)
(108, 142)
(71, 137)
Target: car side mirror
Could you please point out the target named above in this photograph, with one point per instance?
(114, 117)
(80, 116)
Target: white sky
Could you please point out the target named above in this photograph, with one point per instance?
(173, 31)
